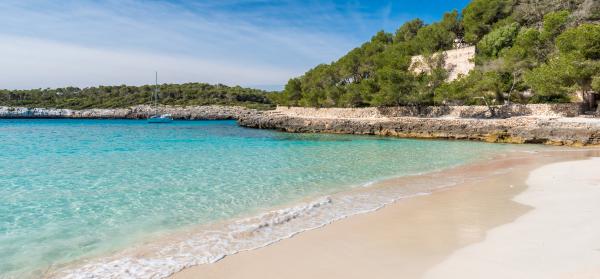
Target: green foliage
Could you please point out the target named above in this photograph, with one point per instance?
(576, 66)
(532, 47)
(596, 83)
(430, 81)
(531, 12)
(432, 38)
(408, 30)
(549, 81)
(395, 87)
(561, 76)
(477, 88)
(377, 73)
(523, 46)
(453, 23)
(292, 92)
(554, 24)
(382, 37)
(480, 16)
(456, 92)
(437, 36)
(497, 40)
(583, 41)
(124, 96)
(527, 51)
(553, 70)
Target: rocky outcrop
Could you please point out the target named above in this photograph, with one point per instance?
(136, 112)
(555, 131)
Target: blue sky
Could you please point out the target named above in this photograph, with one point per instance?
(257, 43)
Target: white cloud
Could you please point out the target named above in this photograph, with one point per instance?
(52, 64)
(55, 44)
(247, 42)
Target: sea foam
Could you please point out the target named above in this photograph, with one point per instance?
(210, 244)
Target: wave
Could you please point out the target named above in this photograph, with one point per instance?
(209, 244)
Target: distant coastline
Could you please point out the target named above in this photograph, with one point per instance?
(552, 124)
(213, 112)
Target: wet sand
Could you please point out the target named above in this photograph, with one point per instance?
(444, 234)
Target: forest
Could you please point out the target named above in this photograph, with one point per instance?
(528, 51)
(187, 94)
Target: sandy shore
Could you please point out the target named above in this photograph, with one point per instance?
(529, 217)
(560, 238)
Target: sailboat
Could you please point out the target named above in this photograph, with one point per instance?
(158, 118)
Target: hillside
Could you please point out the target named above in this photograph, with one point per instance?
(188, 94)
(528, 51)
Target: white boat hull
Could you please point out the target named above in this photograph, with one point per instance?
(160, 119)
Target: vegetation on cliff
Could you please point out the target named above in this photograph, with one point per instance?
(188, 94)
(528, 51)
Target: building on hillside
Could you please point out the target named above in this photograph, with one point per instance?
(458, 61)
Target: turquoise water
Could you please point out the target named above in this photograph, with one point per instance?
(72, 189)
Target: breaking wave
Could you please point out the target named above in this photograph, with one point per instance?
(209, 244)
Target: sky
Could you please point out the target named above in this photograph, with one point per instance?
(254, 43)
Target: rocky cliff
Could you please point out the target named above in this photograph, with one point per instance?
(136, 112)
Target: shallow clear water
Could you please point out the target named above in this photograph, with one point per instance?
(71, 189)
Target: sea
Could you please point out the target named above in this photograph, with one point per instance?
(129, 199)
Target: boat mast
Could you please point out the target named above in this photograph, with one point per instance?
(156, 91)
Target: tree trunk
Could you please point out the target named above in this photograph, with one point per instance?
(589, 99)
(594, 101)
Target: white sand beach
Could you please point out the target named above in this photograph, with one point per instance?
(530, 217)
(560, 238)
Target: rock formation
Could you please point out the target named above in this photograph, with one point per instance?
(522, 129)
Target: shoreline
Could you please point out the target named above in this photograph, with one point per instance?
(558, 124)
(305, 215)
(561, 131)
(313, 214)
(409, 236)
(210, 112)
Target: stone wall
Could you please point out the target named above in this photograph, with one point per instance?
(538, 110)
(227, 112)
(135, 112)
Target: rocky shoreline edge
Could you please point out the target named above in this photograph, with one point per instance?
(558, 130)
(213, 112)
(540, 124)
